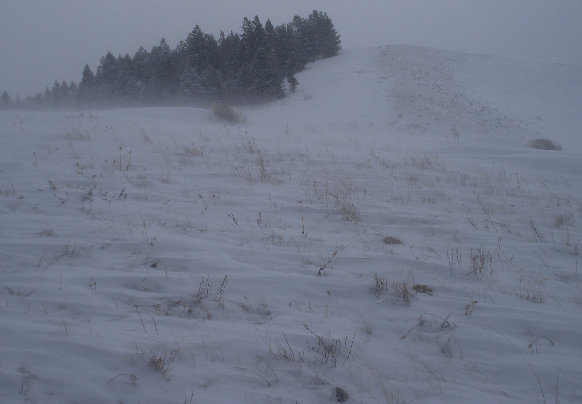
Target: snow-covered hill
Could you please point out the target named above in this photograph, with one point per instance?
(385, 234)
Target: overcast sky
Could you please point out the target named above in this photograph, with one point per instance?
(44, 40)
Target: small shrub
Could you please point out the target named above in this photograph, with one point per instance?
(391, 240)
(226, 113)
(419, 288)
(545, 144)
(341, 395)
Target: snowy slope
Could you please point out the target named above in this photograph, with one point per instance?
(388, 230)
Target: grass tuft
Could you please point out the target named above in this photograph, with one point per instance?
(161, 363)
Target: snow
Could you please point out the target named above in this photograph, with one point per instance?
(160, 255)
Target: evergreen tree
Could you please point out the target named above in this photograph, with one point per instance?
(190, 82)
(162, 70)
(270, 35)
(87, 87)
(194, 49)
(293, 83)
(88, 79)
(5, 100)
(269, 83)
(125, 83)
(73, 94)
(253, 38)
(64, 89)
(139, 63)
(230, 62)
(285, 44)
(105, 78)
(303, 47)
(55, 96)
(326, 39)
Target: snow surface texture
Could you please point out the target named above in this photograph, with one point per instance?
(385, 234)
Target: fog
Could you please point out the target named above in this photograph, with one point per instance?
(46, 40)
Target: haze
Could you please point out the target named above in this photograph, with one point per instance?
(46, 40)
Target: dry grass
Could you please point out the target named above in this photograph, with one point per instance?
(161, 363)
(344, 195)
(380, 284)
(470, 307)
(481, 262)
(401, 291)
(329, 350)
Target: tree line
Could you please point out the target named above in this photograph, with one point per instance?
(258, 64)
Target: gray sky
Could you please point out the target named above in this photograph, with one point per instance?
(44, 40)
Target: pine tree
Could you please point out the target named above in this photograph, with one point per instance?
(46, 99)
(64, 94)
(54, 97)
(230, 62)
(328, 40)
(87, 87)
(139, 62)
(212, 84)
(270, 34)
(293, 83)
(253, 38)
(268, 83)
(73, 94)
(124, 85)
(194, 49)
(88, 79)
(105, 78)
(163, 69)
(5, 100)
(190, 82)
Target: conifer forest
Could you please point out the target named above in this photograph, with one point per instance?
(256, 65)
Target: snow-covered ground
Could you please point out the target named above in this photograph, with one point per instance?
(385, 234)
